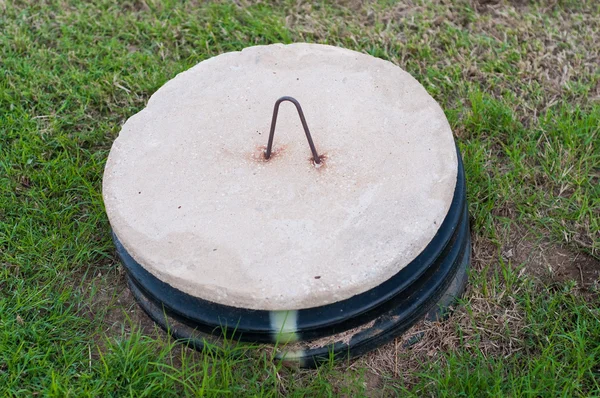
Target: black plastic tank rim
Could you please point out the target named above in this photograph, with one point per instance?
(386, 327)
(397, 320)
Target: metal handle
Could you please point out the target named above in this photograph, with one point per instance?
(316, 158)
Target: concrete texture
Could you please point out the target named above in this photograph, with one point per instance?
(191, 198)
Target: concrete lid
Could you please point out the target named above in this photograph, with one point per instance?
(191, 198)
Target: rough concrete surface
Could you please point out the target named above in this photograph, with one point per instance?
(189, 195)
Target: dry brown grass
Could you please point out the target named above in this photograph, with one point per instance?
(550, 51)
(491, 323)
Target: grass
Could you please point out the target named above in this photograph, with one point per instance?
(521, 88)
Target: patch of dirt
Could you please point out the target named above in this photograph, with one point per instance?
(135, 6)
(484, 5)
(548, 262)
(126, 310)
(112, 300)
(106, 296)
(372, 381)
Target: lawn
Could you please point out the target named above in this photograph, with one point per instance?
(520, 84)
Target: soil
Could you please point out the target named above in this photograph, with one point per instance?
(114, 302)
(550, 262)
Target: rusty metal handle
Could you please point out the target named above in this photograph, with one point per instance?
(316, 158)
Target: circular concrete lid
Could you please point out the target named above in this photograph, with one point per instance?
(191, 198)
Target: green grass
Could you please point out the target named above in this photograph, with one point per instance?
(520, 86)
